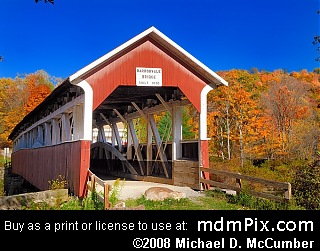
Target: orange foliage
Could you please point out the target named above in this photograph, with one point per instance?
(38, 90)
(18, 97)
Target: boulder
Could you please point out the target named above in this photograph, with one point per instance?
(162, 193)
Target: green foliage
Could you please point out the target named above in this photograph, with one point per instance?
(36, 206)
(165, 126)
(115, 192)
(256, 203)
(167, 204)
(2, 193)
(187, 128)
(3, 162)
(74, 203)
(92, 202)
(306, 186)
(214, 200)
(270, 170)
(58, 183)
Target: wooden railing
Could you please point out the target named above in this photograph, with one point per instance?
(92, 180)
(284, 186)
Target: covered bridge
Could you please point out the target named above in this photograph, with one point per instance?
(144, 76)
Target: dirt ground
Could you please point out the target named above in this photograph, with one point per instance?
(132, 189)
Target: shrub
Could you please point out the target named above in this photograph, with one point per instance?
(2, 193)
(306, 186)
(58, 183)
(114, 193)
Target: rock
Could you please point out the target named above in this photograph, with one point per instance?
(162, 193)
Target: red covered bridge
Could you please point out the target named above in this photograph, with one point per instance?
(144, 76)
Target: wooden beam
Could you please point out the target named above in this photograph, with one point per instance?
(163, 157)
(152, 110)
(54, 114)
(136, 146)
(120, 116)
(139, 110)
(164, 103)
(115, 131)
(115, 151)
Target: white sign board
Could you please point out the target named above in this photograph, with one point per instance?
(148, 76)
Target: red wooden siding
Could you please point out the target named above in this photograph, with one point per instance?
(41, 165)
(121, 71)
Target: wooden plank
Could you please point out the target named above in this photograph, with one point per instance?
(193, 186)
(180, 169)
(186, 163)
(99, 181)
(267, 196)
(220, 184)
(141, 178)
(187, 175)
(237, 189)
(91, 185)
(106, 196)
(186, 181)
(283, 185)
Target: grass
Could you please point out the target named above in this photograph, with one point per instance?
(211, 200)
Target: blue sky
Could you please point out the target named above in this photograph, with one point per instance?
(223, 34)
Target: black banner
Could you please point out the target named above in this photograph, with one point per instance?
(172, 229)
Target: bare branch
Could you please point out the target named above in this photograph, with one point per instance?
(46, 1)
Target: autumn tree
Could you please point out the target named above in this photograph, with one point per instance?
(234, 116)
(39, 87)
(243, 109)
(18, 97)
(11, 108)
(286, 104)
(219, 122)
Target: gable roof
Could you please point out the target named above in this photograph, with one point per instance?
(214, 78)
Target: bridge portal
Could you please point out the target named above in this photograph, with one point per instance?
(124, 89)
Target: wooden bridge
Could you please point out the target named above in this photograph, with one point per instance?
(146, 75)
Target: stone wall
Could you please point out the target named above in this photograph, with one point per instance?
(17, 202)
(13, 183)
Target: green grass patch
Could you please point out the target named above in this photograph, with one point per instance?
(213, 200)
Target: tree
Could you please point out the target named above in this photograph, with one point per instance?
(18, 97)
(219, 121)
(286, 104)
(234, 118)
(38, 88)
(11, 108)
